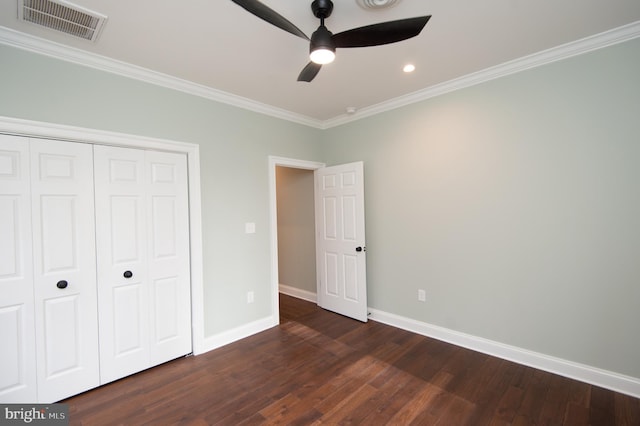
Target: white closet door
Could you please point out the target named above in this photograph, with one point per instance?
(17, 328)
(121, 237)
(64, 268)
(168, 254)
(143, 259)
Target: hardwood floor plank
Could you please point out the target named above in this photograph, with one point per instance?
(557, 397)
(487, 394)
(417, 404)
(508, 406)
(601, 406)
(534, 397)
(317, 367)
(576, 414)
(394, 394)
(627, 409)
(458, 412)
(282, 405)
(345, 411)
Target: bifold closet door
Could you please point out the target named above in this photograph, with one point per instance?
(48, 308)
(143, 259)
(64, 268)
(17, 327)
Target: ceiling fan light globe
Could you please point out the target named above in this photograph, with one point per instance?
(322, 56)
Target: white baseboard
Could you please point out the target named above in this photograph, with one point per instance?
(233, 335)
(584, 373)
(296, 292)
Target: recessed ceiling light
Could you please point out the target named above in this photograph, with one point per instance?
(409, 68)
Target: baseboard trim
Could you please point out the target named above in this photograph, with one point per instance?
(607, 379)
(296, 292)
(584, 373)
(218, 340)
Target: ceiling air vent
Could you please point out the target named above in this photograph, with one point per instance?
(376, 4)
(62, 16)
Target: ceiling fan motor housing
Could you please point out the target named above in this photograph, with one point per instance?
(321, 38)
(322, 8)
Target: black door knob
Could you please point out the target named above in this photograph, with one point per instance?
(127, 274)
(62, 284)
(358, 249)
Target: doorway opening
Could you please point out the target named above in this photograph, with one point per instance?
(296, 232)
(292, 226)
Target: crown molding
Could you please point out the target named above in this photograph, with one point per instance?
(578, 47)
(55, 50)
(44, 47)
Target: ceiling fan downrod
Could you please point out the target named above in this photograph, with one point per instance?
(322, 9)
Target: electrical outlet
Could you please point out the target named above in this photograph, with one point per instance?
(422, 295)
(250, 297)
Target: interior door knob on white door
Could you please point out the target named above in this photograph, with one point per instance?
(62, 284)
(127, 274)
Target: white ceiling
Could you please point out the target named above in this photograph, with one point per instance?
(219, 45)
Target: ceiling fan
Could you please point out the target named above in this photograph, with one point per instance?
(323, 43)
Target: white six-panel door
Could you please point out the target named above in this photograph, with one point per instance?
(143, 262)
(64, 268)
(340, 240)
(17, 328)
(121, 236)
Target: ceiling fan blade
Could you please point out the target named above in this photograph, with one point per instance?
(383, 33)
(263, 12)
(309, 72)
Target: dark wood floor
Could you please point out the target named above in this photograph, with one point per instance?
(321, 368)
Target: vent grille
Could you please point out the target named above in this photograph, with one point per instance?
(62, 16)
(376, 4)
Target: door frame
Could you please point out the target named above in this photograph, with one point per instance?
(292, 163)
(37, 129)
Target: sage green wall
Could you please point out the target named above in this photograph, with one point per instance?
(513, 203)
(516, 205)
(234, 149)
(296, 228)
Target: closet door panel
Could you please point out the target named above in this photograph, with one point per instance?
(64, 268)
(122, 262)
(17, 327)
(128, 301)
(143, 259)
(58, 226)
(62, 328)
(125, 229)
(168, 248)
